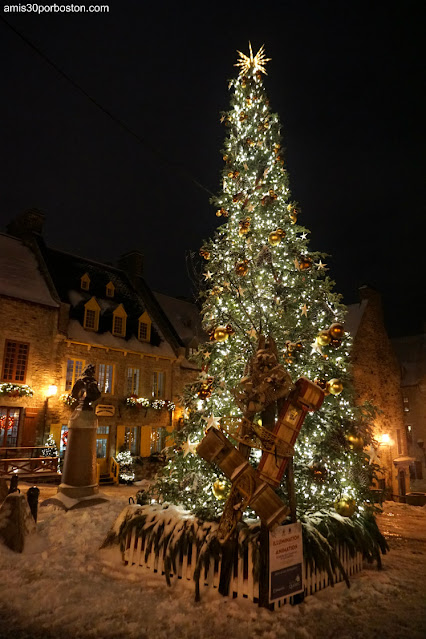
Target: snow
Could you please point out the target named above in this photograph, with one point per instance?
(62, 585)
(19, 273)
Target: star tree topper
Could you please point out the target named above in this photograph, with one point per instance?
(256, 62)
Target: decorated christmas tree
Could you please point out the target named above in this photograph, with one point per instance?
(51, 448)
(273, 318)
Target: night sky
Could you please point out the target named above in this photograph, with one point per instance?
(347, 80)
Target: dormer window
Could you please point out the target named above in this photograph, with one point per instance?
(85, 282)
(91, 315)
(119, 318)
(110, 288)
(144, 333)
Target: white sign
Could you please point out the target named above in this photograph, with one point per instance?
(285, 561)
(104, 410)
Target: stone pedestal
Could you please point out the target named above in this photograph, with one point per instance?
(79, 487)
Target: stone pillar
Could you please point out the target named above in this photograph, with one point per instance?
(79, 474)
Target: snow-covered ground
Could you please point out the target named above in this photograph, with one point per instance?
(61, 587)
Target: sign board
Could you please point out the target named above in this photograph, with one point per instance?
(285, 561)
(104, 410)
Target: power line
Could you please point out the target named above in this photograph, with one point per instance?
(179, 168)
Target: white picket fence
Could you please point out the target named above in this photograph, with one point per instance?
(242, 583)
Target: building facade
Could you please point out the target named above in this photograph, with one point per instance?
(377, 379)
(86, 313)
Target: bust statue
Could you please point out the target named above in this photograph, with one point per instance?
(86, 389)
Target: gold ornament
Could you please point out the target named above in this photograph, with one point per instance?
(274, 238)
(205, 389)
(356, 442)
(305, 264)
(243, 116)
(205, 253)
(319, 473)
(272, 195)
(323, 338)
(335, 386)
(244, 226)
(219, 489)
(241, 268)
(237, 197)
(220, 334)
(337, 331)
(345, 506)
(322, 383)
(221, 212)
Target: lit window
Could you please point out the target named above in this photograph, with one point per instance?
(85, 282)
(133, 381)
(157, 440)
(91, 315)
(144, 333)
(15, 361)
(110, 288)
(105, 377)
(158, 384)
(119, 321)
(133, 438)
(9, 426)
(118, 325)
(74, 371)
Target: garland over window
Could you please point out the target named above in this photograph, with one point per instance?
(143, 402)
(16, 390)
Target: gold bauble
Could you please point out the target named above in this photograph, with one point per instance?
(220, 334)
(275, 238)
(337, 331)
(345, 506)
(219, 489)
(221, 212)
(305, 263)
(205, 253)
(335, 386)
(322, 383)
(356, 442)
(323, 338)
(241, 268)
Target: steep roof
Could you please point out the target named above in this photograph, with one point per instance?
(185, 317)
(354, 316)
(20, 276)
(66, 271)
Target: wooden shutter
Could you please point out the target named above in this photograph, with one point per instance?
(29, 427)
(121, 431)
(55, 430)
(146, 441)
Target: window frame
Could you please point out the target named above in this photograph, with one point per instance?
(119, 313)
(74, 375)
(13, 378)
(104, 377)
(132, 388)
(158, 390)
(92, 306)
(144, 320)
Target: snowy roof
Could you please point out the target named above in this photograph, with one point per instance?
(20, 276)
(79, 334)
(184, 316)
(354, 316)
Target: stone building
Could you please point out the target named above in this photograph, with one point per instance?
(377, 378)
(411, 353)
(88, 312)
(28, 325)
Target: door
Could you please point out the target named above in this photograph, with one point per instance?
(102, 448)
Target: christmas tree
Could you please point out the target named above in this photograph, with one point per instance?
(262, 282)
(125, 461)
(51, 448)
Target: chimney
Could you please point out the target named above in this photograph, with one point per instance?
(29, 222)
(132, 264)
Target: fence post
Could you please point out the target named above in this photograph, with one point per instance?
(32, 499)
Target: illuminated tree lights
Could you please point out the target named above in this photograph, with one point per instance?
(262, 279)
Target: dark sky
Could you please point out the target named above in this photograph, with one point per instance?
(346, 79)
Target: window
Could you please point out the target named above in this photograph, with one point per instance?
(157, 440)
(15, 361)
(119, 318)
(406, 405)
(110, 289)
(105, 377)
(9, 426)
(74, 371)
(144, 333)
(133, 439)
(398, 441)
(118, 325)
(85, 282)
(158, 384)
(91, 315)
(132, 385)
